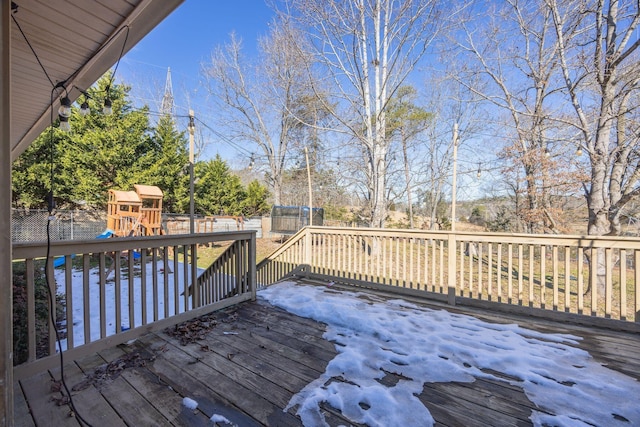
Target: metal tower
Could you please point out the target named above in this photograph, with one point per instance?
(168, 107)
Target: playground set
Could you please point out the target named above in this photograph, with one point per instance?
(138, 213)
(135, 213)
(131, 213)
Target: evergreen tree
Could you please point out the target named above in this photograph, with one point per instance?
(106, 151)
(30, 179)
(168, 163)
(255, 202)
(115, 151)
(101, 152)
(218, 191)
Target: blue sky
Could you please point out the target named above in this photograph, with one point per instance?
(183, 42)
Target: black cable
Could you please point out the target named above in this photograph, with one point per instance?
(52, 311)
(124, 44)
(115, 70)
(224, 138)
(49, 197)
(14, 8)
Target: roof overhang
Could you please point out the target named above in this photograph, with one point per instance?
(76, 42)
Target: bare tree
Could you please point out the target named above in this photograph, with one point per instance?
(366, 49)
(260, 103)
(598, 55)
(447, 103)
(514, 52)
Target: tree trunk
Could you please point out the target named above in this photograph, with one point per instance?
(377, 186)
(407, 178)
(277, 190)
(598, 221)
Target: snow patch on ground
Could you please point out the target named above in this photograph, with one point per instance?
(374, 336)
(110, 303)
(189, 403)
(220, 419)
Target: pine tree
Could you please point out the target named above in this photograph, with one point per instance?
(101, 152)
(167, 164)
(106, 151)
(30, 180)
(255, 202)
(218, 191)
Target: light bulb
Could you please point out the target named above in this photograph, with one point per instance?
(65, 107)
(84, 109)
(107, 110)
(64, 124)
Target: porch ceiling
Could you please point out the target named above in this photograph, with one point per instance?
(76, 42)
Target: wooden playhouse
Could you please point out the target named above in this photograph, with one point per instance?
(135, 213)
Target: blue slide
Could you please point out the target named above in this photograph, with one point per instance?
(105, 234)
(59, 262)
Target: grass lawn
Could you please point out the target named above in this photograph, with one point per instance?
(264, 248)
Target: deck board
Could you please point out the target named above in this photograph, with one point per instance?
(21, 409)
(253, 360)
(90, 403)
(41, 400)
(187, 383)
(247, 400)
(469, 407)
(131, 406)
(165, 400)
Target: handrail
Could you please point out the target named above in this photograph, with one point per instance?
(96, 309)
(285, 246)
(594, 277)
(231, 271)
(283, 261)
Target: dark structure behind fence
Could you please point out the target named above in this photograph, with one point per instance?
(290, 219)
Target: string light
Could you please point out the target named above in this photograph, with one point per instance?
(64, 112)
(107, 110)
(84, 108)
(64, 124)
(65, 107)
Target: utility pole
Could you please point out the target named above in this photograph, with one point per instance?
(306, 156)
(454, 183)
(451, 243)
(192, 129)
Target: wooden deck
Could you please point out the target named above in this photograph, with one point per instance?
(245, 363)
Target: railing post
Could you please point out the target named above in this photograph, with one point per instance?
(451, 269)
(6, 290)
(194, 275)
(253, 282)
(307, 248)
(238, 265)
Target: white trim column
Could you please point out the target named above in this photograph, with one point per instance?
(6, 281)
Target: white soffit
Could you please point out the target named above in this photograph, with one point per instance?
(77, 41)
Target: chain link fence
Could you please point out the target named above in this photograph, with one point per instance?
(30, 226)
(180, 224)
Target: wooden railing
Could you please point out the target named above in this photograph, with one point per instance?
(111, 291)
(230, 274)
(594, 277)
